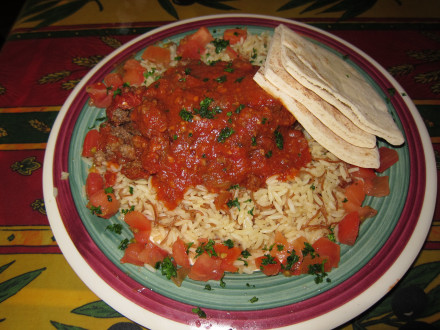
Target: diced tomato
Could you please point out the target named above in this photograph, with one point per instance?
(134, 72)
(113, 81)
(157, 55)
(228, 256)
(231, 53)
(388, 157)
(110, 178)
(206, 268)
(152, 254)
(99, 95)
(133, 77)
(180, 254)
(131, 254)
(268, 265)
(329, 251)
(193, 46)
(91, 143)
(142, 236)
(366, 212)
(355, 195)
(138, 221)
(94, 183)
(364, 173)
(235, 35)
(182, 273)
(348, 228)
(309, 260)
(379, 187)
(140, 225)
(103, 204)
(133, 64)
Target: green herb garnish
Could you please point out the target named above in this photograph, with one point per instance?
(233, 202)
(224, 134)
(115, 228)
(229, 243)
(220, 45)
(199, 312)
(279, 140)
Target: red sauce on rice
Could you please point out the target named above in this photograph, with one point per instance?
(202, 124)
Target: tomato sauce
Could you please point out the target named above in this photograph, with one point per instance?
(202, 124)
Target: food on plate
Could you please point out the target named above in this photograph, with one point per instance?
(213, 173)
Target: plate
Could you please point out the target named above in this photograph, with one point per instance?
(386, 247)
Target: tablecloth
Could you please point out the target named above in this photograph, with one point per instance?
(53, 44)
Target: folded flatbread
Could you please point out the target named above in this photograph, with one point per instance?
(340, 84)
(358, 156)
(324, 111)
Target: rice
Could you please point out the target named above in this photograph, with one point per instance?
(305, 206)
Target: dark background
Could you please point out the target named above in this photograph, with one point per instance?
(8, 17)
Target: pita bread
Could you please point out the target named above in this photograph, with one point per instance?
(363, 157)
(338, 83)
(325, 112)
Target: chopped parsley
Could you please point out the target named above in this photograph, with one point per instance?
(308, 249)
(115, 228)
(251, 211)
(279, 140)
(108, 190)
(318, 271)
(188, 246)
(253, 300)
(268, 154)
(206, 247)
(149, 73)
(117, 92)
(167, 268)
(254, 53)
(123, 244)
(221, 79)
(239, 108)
(208, 287)
(245, 254)
(267, 260)
(220, 44)
(291, 259)
(331, 235)
(233, 202)
(229, 243)
(234, 186)
(199, 312)
(204, 110)
(224, 134)
(125, 211)
(95, 210)
(186, 115)
(229, 68)
(239, 79)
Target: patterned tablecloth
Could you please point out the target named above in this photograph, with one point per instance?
(53, 44)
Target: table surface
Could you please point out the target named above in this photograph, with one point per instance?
(53, 44)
